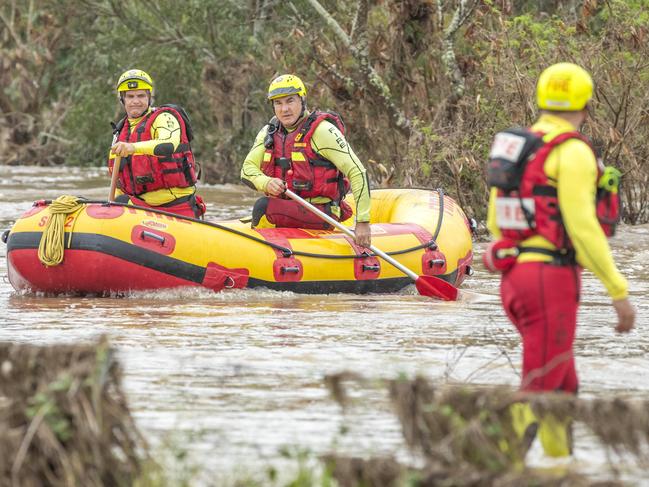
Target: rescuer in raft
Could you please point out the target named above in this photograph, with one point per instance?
(157, 168)
(552, 205)
(306, 152)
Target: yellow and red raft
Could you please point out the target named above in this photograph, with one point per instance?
(114, 248)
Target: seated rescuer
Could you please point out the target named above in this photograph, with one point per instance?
(307, 153)
(157, 168)
(551, 207)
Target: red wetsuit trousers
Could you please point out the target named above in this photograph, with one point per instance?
(541, 300)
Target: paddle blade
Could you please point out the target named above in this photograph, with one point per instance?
(435, 287)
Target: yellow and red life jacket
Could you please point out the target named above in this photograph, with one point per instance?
(289, 157)
(141, 173)
(526, 204)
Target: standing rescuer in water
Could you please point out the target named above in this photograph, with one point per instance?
(157, 168)
(551, 207)
(307, 153)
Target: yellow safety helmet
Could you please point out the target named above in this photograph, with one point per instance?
(134, 79)
(286, 85)
(564, 87)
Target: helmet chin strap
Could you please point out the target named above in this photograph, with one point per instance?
(303, 107)
(149, 104)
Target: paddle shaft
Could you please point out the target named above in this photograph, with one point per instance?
(113, 179)
(348, 232)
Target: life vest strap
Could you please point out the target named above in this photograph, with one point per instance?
(322, 163)
(544, 190)
(560, 257)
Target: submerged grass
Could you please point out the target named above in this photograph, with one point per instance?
(466, 437)
(64, 421)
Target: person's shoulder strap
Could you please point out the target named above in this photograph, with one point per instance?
(273, 127)
(181, 115)
(119, 125)
(317, 116)
(564, 136)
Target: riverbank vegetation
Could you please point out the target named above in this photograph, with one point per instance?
(65, 420)
(423, 84)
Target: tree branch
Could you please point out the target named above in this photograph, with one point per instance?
(331, 22)
(359, 26)
(12, 32)
(374, 81)
(259, 17)
(462, 13)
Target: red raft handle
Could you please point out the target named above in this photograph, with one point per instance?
(294, 270)
(158, 238)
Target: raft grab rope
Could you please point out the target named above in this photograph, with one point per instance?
(287, 252)
(52, 245)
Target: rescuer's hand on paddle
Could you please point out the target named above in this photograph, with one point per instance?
(275, 187)
(625, 315)
(363, 234)
(123, 149)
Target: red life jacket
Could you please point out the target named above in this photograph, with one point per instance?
(289, 157)
(140, 173)
(526, 204)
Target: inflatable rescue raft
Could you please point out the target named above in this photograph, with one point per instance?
(114, 248)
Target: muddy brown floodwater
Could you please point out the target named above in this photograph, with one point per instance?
(234, 378)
